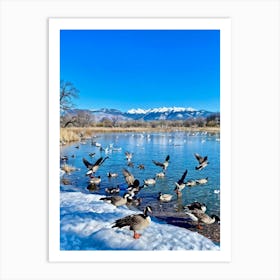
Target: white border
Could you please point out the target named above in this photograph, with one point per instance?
(222, 24)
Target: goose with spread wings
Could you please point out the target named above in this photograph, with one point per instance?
(93, 167)
(164, 164)
(203, 161)
(180, 184)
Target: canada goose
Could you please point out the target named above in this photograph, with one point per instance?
(196, 205)
(203, 161)
(91, 154)
(92, 168)
(116, 200)
(113, 190)
(164, 164)
(130, 164)
(141, 166)
(129, 178)
(191, 183)
(128, 156)
(180, 184)
(135, 222)
(135, 188)
(112, 175)
(164, 197)
(200, 217)
(150, 181)
(202, 181)
(95, 180)
(64, 158)
(131, 201)
(160, 174)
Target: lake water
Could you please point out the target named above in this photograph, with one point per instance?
(146, 147)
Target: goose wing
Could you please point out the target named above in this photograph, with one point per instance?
(87, 163)
(200, 158)
(167, 158)
(98, 162)
(158, 163)
(182, 179)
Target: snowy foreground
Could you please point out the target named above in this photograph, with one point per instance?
(86, 224)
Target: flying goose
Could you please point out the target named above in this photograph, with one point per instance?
(135, 222)
(92, 168)
(191, 183)
(116, 200)
(180, 184)
(203, 161)
(128, 156)
(164, 197)
(164, 164)
(129, 178)
(200, 217)
(196, 205)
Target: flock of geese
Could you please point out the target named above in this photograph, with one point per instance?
(195, 211)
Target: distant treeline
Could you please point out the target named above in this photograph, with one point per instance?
(83, 119)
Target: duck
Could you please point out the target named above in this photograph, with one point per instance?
(95, 180)
(116, 200)
(128, 156)
(202, 181)
(141, 166)
(112, 175)
(92, 168)
(191, 183)
(160, 174)
(164, 197)
(135, 222)
(164, 164)
(196, 205)
(129, 178)
(180, 184)
(201, 217)
(150, 181)
(203, 161)
(113, 190)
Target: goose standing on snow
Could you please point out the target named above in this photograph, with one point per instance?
(180, 184)
(203, 161)
(92, 168)
(200, 217)
(116, 200)
(164, 164)
(135, 222)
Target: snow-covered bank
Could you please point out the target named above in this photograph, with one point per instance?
(86, 224)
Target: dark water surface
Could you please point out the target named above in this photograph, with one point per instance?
(146, 147)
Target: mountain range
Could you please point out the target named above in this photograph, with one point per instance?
(162, 113)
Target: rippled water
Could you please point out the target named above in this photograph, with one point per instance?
(146, 147)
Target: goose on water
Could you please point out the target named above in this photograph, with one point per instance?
(112, 190)
(150, 181)
(164, 197)
(135, 222)
(95, 180)
(202, 181)
(112, 175)
(196, 205)
(128, 156)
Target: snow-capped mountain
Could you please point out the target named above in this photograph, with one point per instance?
(162, 113)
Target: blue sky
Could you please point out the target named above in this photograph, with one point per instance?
(124, 69)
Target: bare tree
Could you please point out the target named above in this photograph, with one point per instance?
(67, 92)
